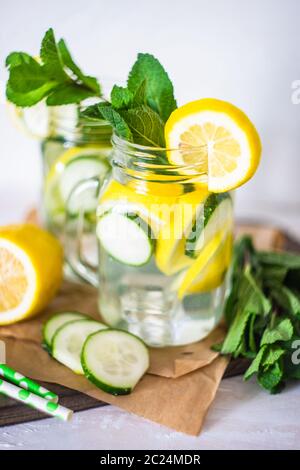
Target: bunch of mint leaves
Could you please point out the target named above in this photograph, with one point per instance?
(263, 314)
(54, 76)
(138, 112)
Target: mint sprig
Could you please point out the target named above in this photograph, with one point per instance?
(55, 76)
(159, 91)
(138, 112)
(263, 314)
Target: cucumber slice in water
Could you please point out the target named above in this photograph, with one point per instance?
(217, 213)
(73, 166)
(126, 237)
(69, 339)
(79, 169)
(55, 322)
(114, 360)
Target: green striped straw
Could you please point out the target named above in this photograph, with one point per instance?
(28, 384)
(36, 402)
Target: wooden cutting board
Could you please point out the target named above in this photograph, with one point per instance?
(12, 412)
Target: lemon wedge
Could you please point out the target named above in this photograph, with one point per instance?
(153, 208)
(170, 218)
(31, 262)
(208, 270)
(212, 274)
(170, 248)
(228, 145)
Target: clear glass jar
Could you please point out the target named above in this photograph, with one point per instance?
(164, 245)
(74, 150)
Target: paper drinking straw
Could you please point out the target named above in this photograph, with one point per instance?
(28, 384)
(36, 402)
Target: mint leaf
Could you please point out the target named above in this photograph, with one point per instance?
(67, 93)
(50, 57)
(140, 125)
(266, 284)
(121, 98)
(30, 98)
(31, 81)
(272, 355)
(254, 366)
(282, 331)
(138, 111)
(145, 125)
(243, 253)
(271, 378)
(93, 112)
(139, 97)
(251, 335)
(273, 274)
(28, 77)
(241, 350)
(159, 89)
(286, 298)
(287, 260)
(251, 301)
(259, 296)
(89, 82)
(236, 331)
(117, 122)
(17, 58)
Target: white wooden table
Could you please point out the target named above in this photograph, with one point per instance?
(242, 416)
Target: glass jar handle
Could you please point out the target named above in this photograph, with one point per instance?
(77, 228)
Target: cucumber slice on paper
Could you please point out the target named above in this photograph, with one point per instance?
(126, 237)
(217, 213)
(114, 360)
(55, 322)
(69, 339)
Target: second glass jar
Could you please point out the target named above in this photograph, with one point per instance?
(74, 150)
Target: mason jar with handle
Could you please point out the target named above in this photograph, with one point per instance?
(73, 150)
(164, 244)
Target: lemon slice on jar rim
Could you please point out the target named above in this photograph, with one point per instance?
(228, 143)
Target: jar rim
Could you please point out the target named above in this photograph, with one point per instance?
(157, 159)
(66, 122)
(73, 120)
(120, 142)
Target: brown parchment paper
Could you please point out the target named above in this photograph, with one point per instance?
(180, 384)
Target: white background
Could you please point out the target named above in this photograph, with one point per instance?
(247, 52)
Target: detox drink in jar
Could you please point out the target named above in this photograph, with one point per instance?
(74, 149)
(164, 246)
